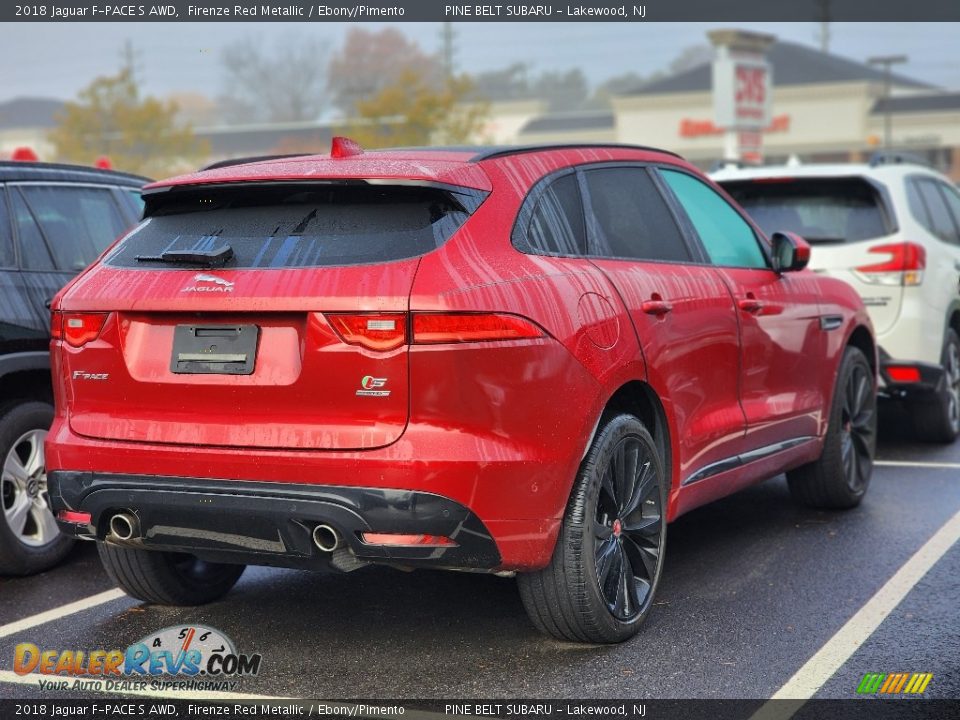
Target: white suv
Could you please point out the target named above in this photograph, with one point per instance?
(891, 229)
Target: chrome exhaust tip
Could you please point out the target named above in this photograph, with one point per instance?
(326, 538)
(123, 526)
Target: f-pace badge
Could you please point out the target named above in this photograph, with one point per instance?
(371, 386)
(219, 284)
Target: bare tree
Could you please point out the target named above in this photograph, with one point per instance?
(561, 89)
(371, 60)
(284, 84)
(689, 58)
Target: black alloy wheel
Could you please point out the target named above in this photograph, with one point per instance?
(627, 527)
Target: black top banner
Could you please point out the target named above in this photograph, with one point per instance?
(439, 11)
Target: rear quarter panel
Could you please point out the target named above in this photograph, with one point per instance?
(839, 299)
(543, 397)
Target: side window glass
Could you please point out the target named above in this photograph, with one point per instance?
(727, 237)
(630, 218)
(33, 248)
(7, 259)
(556, 225)
(941, 224)
(78, 222)
(135, 200)
(917, 207)
(953, 203)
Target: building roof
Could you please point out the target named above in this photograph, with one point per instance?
(793, 64)
(29, 113)
(569, 122)
(943, 102)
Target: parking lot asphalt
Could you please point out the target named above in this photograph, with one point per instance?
(753, 587)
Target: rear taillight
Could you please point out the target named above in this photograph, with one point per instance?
(387, 331)
(904, 266)
(77, 329)
(433, 328)
(374, 331)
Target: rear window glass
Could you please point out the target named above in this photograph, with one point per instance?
(296, 226)
(820, 210)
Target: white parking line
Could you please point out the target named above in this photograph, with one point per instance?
(8, 676)
(838, 649)
(59, 612)
(913, 464)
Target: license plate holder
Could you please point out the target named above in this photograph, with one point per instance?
(214, 349)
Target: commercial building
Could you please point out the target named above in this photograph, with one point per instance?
(825, 108)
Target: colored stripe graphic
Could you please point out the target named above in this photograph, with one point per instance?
(871, 683)
(894, 683)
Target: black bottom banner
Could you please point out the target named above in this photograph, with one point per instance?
(866, 708)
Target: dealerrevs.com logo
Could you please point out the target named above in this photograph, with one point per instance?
(203, 657)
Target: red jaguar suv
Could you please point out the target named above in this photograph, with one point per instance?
(512, 360)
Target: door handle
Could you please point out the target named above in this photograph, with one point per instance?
(750, 304)
(656, 307)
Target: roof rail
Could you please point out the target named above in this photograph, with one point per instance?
(896, 157)
(253, 159)
(27, 166)
(723, 164)
(505, 150)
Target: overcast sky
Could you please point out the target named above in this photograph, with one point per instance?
(57, 59)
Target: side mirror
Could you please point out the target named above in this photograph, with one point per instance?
(790, 252)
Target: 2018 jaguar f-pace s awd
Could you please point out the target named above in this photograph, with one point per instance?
(512, 360)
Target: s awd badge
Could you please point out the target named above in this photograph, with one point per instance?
(371, 386)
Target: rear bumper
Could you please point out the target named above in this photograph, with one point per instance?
(261, 523)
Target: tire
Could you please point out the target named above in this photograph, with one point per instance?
(30, 540)
(167, 578)
(839, 478)
(938, 420)
(614, 528)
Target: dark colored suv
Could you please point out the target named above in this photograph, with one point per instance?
(519, 360)
(54, 221)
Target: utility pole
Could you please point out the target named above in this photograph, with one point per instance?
(446, 35)
(823, 7)
(887, 61)
(128, 60)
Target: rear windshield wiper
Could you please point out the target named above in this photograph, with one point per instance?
(216, 257)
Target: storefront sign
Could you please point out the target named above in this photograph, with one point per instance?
(700, 128)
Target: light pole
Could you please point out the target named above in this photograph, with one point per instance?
(887, 61)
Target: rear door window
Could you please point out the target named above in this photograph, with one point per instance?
(283, 226)
(821, 210)
(77, 222)
(727, 237)
(629, 217)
